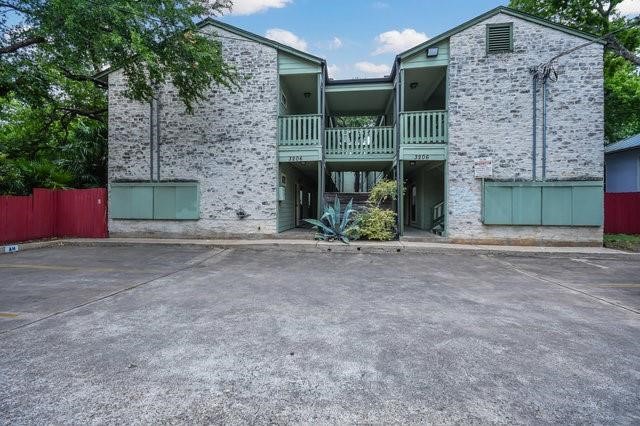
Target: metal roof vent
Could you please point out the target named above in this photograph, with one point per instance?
(500, 38)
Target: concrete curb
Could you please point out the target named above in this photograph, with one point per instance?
(309, 246)
(32, 245)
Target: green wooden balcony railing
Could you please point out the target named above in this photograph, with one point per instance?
(424, 127)
(299, 130)
(359, 143)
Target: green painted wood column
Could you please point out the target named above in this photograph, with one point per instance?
(321, 163)
(400, 165)
(445, 232)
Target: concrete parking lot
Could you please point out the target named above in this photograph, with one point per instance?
(182, 335)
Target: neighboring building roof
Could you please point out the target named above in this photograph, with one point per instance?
(493, 12)
(623, 145)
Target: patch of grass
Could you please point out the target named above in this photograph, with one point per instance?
(626, 242)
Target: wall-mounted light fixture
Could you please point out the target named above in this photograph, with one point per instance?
(307, 94)
(432, 52)
(413, 85)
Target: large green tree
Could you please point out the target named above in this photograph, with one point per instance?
(53, 109)
(622, 56)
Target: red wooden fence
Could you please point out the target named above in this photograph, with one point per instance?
(622, 213)
(54, 213)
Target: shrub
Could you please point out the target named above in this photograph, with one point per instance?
(377, 224)
(383, 191)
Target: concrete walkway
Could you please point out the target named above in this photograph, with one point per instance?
(307, 246)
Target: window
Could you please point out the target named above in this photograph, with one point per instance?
(499, 38)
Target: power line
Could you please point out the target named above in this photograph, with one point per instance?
(546, 70)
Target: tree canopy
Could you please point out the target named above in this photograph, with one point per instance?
(53, 108)
(622, 57)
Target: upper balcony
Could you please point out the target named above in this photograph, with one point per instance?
(299, 137)
(299, 140)
(360, 143)
(424, 135)
(424, 127)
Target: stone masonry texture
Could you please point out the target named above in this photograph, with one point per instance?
(490, 115)
(228, 145)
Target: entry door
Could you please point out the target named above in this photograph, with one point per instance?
(298, 205)
(412, 206)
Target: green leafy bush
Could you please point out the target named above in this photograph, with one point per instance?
(382, 191)
(377, 224)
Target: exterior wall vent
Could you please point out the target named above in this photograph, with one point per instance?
(499, 38)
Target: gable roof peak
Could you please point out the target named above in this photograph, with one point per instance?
(495, 11)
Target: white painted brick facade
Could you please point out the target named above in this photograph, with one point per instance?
(228, 145)
(490, 114)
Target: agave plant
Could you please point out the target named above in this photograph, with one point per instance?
(334, 225)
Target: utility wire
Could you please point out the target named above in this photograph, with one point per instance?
(547, 72)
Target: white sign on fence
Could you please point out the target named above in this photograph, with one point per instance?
(483, 167)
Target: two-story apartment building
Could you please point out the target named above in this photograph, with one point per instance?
(485, 151)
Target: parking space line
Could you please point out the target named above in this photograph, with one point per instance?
(68, 268)
(509, 265)
(587, 262)
(620, 285)
(115, 293)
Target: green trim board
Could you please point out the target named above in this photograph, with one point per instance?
(296, 154)
(415, 152)
(420, 59)
(557, 203)
(358, 87)
(155, 200)
(290, 64)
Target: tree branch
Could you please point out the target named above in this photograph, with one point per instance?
(96, 114)
(77, 77)
(14, 7)
(614, 44)
(29, 41)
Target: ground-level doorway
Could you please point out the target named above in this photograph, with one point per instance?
(298, 189)
(423, 207)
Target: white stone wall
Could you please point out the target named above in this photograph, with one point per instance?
(490, 115)
(228, 144)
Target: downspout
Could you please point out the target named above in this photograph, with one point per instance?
(544, 128)
(534, 127)
(158, 143)
(151, 127)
